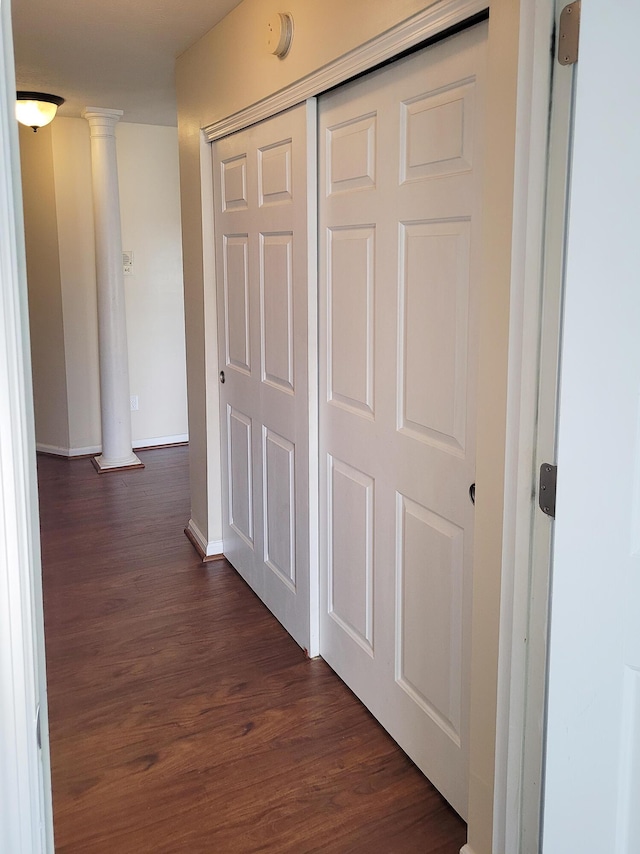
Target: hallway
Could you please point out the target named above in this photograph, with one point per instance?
(183, 718)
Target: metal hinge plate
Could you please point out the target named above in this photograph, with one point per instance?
(569, 34)
(547, 490)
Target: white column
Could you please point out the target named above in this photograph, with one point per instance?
(117, 451)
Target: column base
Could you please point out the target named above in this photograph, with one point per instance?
(103, 466)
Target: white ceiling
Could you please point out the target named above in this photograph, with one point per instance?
(118, 54)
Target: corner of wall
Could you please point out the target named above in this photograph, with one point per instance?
(48, 357)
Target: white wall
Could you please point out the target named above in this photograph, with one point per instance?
(72, 173)
(150, 213)
(45, 297)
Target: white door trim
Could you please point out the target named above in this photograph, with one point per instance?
(312, 377)
(436, 19)
(25, 787)
(538, 262)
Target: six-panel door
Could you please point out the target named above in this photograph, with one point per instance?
(399, 246)
(261, 242)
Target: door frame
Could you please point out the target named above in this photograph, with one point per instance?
(522, 680)
(519, 82)
(25, 781)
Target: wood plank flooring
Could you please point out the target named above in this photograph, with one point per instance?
(183, 718)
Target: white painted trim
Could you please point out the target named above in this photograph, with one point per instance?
(90, 450)
(531, 419)
(467, 849)
(141, 444)
(312, 377)
(214, 475)
(436, 19)
(210, 548)
(58, 451)
(25, 783)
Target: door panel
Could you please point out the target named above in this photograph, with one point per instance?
(400, 226)
(350, 296)
(239, 455)
(350, 583)
(429, 617)
(261, 218)
(278, 478)
(276, 304)
(236, 301)
(433, 333)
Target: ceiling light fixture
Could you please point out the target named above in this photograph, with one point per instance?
(36, 109)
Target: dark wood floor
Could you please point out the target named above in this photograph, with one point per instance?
(183, 718)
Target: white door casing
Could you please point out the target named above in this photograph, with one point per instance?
(527, 552)
(262, 243)
(400, 227)
(26, 816)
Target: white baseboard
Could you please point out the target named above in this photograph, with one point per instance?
(211, 548)
(68, 452)
(84, 452)
(52, 449)
(467, 849)
(141, 444)
(91, 450)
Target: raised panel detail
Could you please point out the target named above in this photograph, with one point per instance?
(429, 575)
(351, 153)
(350, 551)
(350, 313)
(234, 183)
(240, 473)
(276, 296)
(274, 174)
(236, 300)
(437, 133)
(278, 461)
(434, 330)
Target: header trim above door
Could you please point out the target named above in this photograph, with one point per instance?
(438, 18)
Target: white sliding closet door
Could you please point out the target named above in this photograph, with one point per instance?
(400, 232)
(262, 239)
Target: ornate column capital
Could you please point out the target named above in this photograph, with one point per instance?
(102, 121)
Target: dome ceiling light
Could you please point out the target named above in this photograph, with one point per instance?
(36, 109)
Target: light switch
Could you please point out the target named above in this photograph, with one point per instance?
(127, 262)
